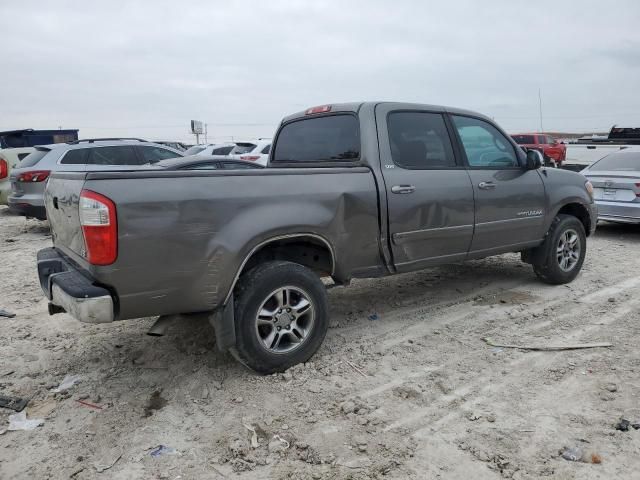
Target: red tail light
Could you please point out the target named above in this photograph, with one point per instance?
(4, 168)
(34, 176)
(251, 158)
(100, 227)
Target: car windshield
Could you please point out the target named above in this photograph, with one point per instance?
(524, 139)
(194, 150)
(618, 162)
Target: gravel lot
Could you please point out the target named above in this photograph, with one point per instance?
(403, 387)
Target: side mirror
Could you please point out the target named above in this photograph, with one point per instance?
(534, 160)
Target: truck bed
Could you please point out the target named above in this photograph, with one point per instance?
(193, 229)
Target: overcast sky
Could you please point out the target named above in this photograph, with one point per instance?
(146, 68)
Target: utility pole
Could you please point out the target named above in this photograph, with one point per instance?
(205, 134)
(540, 109)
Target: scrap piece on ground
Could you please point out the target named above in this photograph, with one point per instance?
(163, 450)
(549, 348)
(19, 421)
(67, 382)
(14, 403)
(623, 425)
(5, 313)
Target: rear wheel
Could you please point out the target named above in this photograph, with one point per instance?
(559, 259)
(281, 316)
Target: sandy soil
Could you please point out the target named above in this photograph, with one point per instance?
(415, 393)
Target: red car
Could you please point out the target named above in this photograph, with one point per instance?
(549, 146)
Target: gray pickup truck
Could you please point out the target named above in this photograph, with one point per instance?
(351, 190)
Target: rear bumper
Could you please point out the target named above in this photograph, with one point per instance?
(26, 209)
(69, 290)
(623, 212)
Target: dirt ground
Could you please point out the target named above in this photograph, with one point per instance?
(403, 387)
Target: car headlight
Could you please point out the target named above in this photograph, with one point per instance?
(589, 188)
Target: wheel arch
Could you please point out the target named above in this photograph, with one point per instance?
(580, 211)
(309, 249)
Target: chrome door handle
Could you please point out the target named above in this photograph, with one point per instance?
(403, 189)
(486, 185)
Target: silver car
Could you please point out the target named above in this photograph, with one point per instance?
(30, 178)
(616, 186)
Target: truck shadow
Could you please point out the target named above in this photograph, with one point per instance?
(619, 231)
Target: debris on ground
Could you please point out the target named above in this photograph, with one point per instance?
(19, 421)
(162, 450)
(576, 454)
(67, 382)
(5, 313)
(155, 402)
(623, 425)
(278, 444)
(549, 348)
(636, 425)
(101, 467)
(254, 435)
(14, 403)
(373, 317)
(89, 404)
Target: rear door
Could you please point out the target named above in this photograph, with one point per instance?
(509, 200)
(429, 192)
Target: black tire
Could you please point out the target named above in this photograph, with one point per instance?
(257, 285)
(545, 261)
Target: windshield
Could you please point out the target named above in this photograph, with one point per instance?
(618, 162)
(194, 150)
(524, 139)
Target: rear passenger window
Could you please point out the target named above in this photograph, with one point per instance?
(222, 150)
(322, 139)
(75, 157)
(419, 140)
(266, 150)
(113, 156)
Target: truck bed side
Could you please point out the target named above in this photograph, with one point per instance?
(184, 235)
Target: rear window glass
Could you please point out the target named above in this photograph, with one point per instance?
(222, 150)
(33, 158)
(241, 148)
(322, 139)
(627, 162)
(194, 150)
(266, 150)
(22, 156)
(75, 157)
(524, 139)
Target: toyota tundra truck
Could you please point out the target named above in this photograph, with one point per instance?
(354, 190)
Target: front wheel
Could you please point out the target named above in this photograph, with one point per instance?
(561, 256)
(281, 316)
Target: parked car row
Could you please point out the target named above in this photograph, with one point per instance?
(553, 151)
(257, 152)
(24, 171)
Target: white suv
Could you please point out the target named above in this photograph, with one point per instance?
(254, 151)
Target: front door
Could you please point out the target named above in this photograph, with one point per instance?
(509, 200)
(429, 193)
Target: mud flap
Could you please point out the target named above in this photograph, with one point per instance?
(223, 323)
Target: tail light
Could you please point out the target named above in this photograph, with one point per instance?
(320, 109)
(251, 158)
(100, 227)
(638, 185)
(34, 176)
(4, 168)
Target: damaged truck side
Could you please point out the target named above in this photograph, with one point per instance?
(351, 191)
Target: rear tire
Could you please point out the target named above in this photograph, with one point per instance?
(559, 259)
(281, 316)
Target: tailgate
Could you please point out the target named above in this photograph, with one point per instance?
(61, 200)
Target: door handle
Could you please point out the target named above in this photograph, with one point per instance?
(403, 189)
(486, 185)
